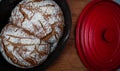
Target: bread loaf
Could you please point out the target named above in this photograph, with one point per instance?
(34, 29)
(21, 48)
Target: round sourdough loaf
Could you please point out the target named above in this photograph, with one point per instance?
(34, 29)
(22, 49)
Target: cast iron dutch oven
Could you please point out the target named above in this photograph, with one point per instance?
(6, 6)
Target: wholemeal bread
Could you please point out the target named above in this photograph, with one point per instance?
(21, 48)
(34, 29)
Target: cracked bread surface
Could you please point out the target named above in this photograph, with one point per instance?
(21, 48)
(33, 32)
(43, 18)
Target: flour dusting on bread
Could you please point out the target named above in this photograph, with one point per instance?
(33, 32)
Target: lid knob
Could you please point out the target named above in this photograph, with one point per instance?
(108, 36)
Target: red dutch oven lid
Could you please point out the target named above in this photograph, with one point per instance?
(98, 36)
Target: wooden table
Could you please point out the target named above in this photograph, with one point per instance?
(69, 59)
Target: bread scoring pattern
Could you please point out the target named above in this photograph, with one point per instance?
(43, 18)
(33, 32)
(21, 48)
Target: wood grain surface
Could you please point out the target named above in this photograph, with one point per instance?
(69, 59)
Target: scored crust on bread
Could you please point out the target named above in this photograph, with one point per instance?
(33, 32)
(43, 18)
(23, 49)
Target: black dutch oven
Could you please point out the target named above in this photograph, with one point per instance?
(6, 6)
